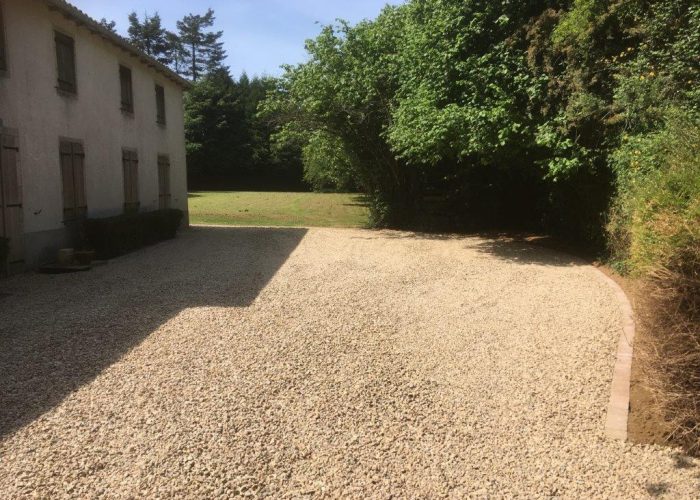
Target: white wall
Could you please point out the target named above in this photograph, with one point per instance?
(30, 103)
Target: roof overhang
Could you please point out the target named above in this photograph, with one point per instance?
(83, 20)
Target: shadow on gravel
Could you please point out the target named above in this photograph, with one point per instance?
(523, 252)
(518, 249)
(58, 333)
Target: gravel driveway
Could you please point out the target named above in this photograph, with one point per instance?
(321, 363)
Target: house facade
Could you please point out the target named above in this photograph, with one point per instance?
(91, 127)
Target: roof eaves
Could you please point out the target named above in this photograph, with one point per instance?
(82, 19)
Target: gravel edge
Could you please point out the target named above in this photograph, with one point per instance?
(619, 405)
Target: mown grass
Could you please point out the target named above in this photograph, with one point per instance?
(278, 209)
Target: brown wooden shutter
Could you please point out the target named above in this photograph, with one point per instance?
(127, 92)
(3, 49)
(130, 162)
(164, 182)
(69, 211)
(126, 165)
(11, 211)
(72, 157)
(80, 200)
(160, 104)
(65, 56)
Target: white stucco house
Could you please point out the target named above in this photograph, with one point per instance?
(91, 126)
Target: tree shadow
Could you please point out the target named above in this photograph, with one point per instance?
(527, 253)
(58, 333)
(512, 247)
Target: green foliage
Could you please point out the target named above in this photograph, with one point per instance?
(114, 236)
(150, 36)
(576, 25)
(326, 165)
(494, 109)
(202, 50)
(110, 25)
(656, 222)
(228, 143)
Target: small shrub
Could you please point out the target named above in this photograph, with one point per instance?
(114, 236)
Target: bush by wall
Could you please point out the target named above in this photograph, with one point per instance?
(114, 236)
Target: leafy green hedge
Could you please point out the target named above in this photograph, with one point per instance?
(114, 236)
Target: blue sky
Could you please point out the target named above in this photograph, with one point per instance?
(259, 35)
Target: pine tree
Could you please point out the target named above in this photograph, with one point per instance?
(150, 37)
(110, 25)
(205, 52)
(176, 52)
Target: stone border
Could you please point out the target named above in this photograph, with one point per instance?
(619, 405)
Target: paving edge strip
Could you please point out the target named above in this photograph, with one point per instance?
(619, 405)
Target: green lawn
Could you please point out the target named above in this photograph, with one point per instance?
(277, 209)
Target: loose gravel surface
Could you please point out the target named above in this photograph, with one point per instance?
(321, 363)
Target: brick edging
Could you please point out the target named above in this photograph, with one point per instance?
(619, 405)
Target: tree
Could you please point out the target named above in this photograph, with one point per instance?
(110, 25)
(176, 52)
(150, 36)
(204, 49)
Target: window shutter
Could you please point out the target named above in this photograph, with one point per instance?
(163, 182)
(79, 180)
(3, 50)
(69, 211)
(135, 178)
(12, 189)
(127, 93)
(160, 104)
(130, 162)
(65, 55)
(126, 165)
(11, 211)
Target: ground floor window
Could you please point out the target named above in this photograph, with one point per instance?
(130, 163)
(73, 176)
(164, 181)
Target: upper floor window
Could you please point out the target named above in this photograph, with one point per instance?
(127, 89)
(3, 49)
(65, 56)
(160, 104)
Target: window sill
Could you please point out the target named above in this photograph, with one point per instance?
(129, 113)
(162, 124)
(68, 94)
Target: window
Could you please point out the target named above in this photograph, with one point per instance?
(160, 104)
(73, 175)
(127, 89)
(65, 56)
(130, 162)
(163, 182)
(3, 50)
